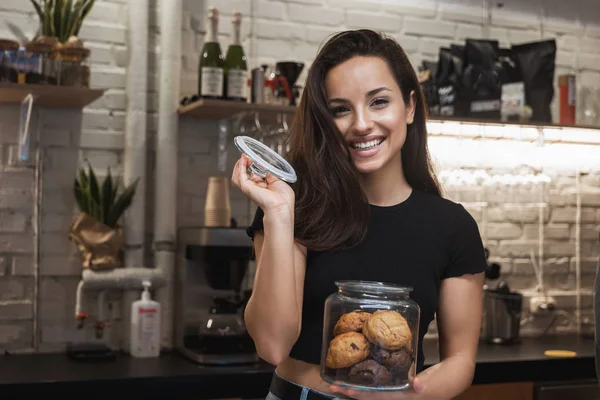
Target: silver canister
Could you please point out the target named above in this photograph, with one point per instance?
(258, 83)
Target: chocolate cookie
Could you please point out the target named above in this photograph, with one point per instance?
(388, 329)
(351, 322)
(395, 360)
(346, 350)
(369, 372)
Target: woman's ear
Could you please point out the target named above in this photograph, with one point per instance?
(410, 108)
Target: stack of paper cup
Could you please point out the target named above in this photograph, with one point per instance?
(217, 209)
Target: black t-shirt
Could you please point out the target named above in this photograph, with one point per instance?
(416, 243)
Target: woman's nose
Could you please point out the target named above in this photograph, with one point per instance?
(363, 122)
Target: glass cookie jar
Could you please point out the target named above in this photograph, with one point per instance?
(370, 336)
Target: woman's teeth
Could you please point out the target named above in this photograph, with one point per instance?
(367, 145)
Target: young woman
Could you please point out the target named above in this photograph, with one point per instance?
(366, 206)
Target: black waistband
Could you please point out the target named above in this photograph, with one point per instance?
(287, 390)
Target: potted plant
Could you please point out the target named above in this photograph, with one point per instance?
(96, 231)
(58, 43)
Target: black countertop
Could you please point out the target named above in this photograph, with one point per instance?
(171, 374)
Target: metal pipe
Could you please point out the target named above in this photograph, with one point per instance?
(38, 195)
(135, 147)
(122, 278)
(165, 217)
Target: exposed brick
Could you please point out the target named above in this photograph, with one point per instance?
(424, 27)
(364, 5)
(468, 32)
(318, 35)
(16, 5)
(101, 139)
(16, 179)
(381, 22)
(410, 44)
(270, 10)
(16, 243)
(55, 243)
(314, 15)
(277, 30)
(552, 231)
(558, 198)
(588, 265)
(108, 78)
(229, 6)
(458, 13)
(589, 61)
(422, 8)
(104, 11)
(519, 214)
(56, 137)
(70, 265)
(503, 231)
(96, 31)
(14, 289)
(431, 47)
(12, 222)
(523, 248)
(510, 19)
(522, 267)
(588, 232)
(556, 266)
(568, 214)
(16, 334)
(22, 266)
(518, 37)
(14, 310)
(59, 289)
(56, 223)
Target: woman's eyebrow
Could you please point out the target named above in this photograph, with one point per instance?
(370, 93)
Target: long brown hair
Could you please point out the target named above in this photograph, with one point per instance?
(331, 210)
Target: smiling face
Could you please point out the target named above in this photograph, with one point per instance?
(368, 108)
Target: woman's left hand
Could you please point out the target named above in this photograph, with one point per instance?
(409, 394)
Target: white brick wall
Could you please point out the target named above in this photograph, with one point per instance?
(290, 29)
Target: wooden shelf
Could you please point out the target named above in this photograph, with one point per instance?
(49, 95)
(223, 109)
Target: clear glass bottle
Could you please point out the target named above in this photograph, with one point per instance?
(236, 69)
(210, 70)
(370, 336)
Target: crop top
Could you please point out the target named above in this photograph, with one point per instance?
(417, 243)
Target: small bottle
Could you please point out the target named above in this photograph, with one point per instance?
(236, 69)
(210, 70)
(145, 326)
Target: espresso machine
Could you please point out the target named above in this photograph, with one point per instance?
(212, 295)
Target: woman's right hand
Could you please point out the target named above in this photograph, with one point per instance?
(271, 194)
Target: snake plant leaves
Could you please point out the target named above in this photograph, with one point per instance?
(102, 201)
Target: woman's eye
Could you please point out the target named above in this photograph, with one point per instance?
(380, 102)
(336, 111)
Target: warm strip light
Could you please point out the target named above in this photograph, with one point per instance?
(528, 133)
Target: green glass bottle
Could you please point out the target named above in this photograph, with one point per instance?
(236, 69)
(210, 70)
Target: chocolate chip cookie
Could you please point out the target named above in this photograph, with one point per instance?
(351, 322)
(346, 350)
(388, 329)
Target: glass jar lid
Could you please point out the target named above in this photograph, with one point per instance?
(373, 287)
(264, 159)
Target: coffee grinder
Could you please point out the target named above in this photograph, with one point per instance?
(211, 297)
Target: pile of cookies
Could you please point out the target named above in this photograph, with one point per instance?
(370, 349)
